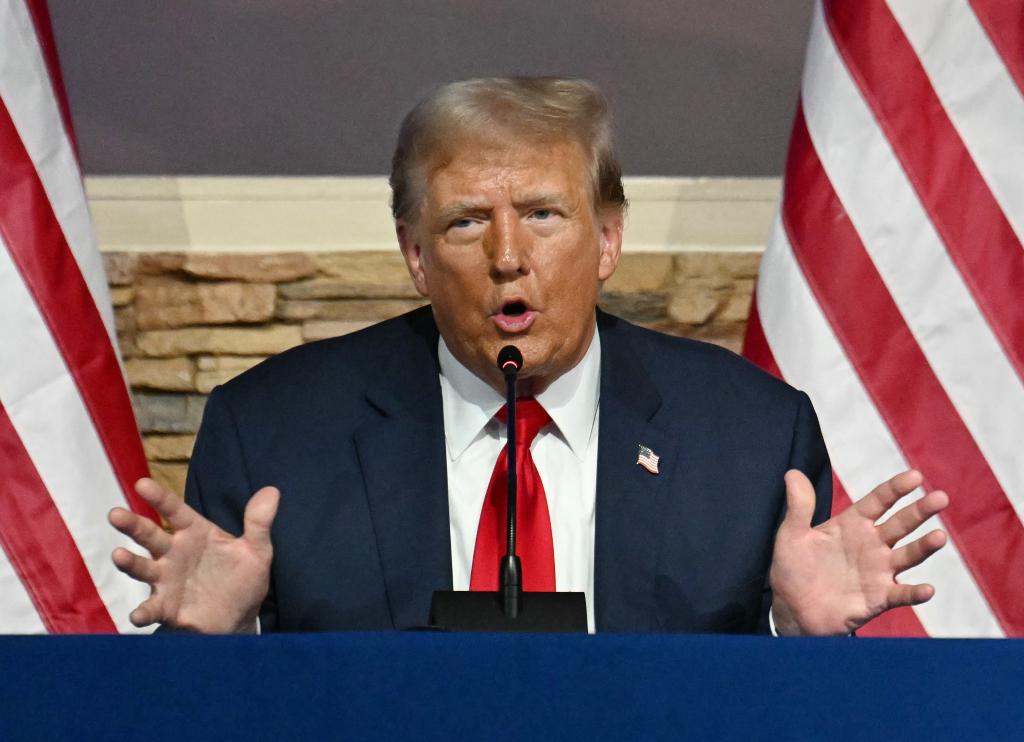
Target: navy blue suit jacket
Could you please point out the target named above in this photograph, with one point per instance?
(351, 430)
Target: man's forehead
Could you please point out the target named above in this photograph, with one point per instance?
(529, 169)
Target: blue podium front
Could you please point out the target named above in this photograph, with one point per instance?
(532, 687)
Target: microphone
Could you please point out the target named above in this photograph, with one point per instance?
(510, 361)
(510, 570)
(509, 609)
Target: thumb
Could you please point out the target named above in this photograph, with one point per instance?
(259, 515)
(800, 500)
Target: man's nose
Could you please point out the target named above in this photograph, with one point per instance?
(508, 245)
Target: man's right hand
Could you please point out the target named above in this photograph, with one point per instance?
(201, 578)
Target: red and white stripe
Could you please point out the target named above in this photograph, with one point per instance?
(891, 287)
(69, 447)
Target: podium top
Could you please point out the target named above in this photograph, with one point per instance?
(447, 686)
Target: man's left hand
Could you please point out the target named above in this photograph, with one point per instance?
(833, 579)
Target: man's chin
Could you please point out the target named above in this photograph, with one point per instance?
(541, 365)
(537, 356)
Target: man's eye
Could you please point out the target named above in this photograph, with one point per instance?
(461, 223)
(543, 214)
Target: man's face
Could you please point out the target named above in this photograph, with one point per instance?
(509, 249)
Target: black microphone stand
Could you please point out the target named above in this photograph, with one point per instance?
(510, 573)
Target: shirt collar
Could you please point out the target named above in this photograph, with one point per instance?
(469, 403)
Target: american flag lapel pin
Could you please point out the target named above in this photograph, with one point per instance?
(646, 458)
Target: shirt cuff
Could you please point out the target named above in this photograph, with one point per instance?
(771, 624)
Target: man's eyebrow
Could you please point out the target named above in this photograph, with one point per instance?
(459, 208)
(451, 211)
(553, 198)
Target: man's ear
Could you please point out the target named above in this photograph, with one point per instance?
(413, 254)
(610, 221)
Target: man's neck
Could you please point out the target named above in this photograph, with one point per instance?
(469, 402)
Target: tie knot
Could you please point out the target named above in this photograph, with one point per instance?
(530, 418)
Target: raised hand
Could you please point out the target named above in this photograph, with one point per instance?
(201, 577)
(836, 577)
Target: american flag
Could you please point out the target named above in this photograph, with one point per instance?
(647, 459)
(69, 448)
(892, 288)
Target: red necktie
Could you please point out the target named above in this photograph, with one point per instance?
(533, 540)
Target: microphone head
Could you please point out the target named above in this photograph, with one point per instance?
(510, 360)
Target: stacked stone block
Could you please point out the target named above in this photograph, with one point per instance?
(188, 321)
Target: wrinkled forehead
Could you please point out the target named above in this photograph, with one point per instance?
(488, 162)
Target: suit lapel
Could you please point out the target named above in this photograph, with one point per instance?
(630, 499)
(401, 454)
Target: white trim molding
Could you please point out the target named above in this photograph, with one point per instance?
(309, 214)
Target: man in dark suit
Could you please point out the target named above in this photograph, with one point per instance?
(366, 450)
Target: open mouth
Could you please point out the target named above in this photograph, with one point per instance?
(514, 309)
(514, 316)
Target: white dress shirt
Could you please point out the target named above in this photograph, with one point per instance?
(565, 452)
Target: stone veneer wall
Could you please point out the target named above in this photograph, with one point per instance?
(190, 321)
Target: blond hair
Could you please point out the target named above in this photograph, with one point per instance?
(541, 109)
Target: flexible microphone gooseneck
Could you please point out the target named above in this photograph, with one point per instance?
(510, 574)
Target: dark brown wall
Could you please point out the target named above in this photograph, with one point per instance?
(305, 87)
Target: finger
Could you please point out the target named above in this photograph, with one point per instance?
(885, 495)
(917, 551)
(800, 500)
(907, 519)
(910, 594)
(141, 530)
(170, 507)
(259, 516)
(148, 612)
(137, 567)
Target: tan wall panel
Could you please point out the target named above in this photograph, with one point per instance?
(274, 214)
